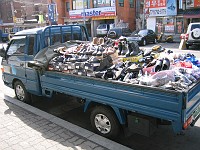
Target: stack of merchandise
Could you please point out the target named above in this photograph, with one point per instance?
(122, 61)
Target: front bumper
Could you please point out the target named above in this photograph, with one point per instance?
(193, 42)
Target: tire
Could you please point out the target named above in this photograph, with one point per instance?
(195, 33)
(144, 42)
(112, 35)
(21, 92)
(104, 122)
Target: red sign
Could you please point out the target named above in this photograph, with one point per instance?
(197, 3)
(155, 3)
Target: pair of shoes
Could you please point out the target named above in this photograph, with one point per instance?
(133, 49)
(98, 41)
(90, 50)
(98, 51)
(162, 64)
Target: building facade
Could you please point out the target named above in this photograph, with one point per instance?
(95, 12)
(171, 16)
(17, 15)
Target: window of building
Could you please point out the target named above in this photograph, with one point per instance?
(159, 25)
(121, 3)
(78, 4)
(67, 6)
(131, 3)
(169, 26)
(101, 3)
(179, 25)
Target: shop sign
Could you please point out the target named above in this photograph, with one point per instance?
(169, 28)
(19, 20)
(93, 12)
(101, 18)
(169, 9)
(157, 12)
(192, 3)
(155, 3)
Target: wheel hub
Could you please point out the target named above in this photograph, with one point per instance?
(20, 92)
(102, 123)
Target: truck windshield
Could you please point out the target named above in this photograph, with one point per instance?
(17, 45)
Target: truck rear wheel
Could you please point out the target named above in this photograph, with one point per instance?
(21, 92)
(104, 122)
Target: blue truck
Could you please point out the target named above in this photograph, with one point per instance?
(113, 106)
(4, 37)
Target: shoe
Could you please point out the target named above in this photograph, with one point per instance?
(111, 50)
(120, 48)
(158, 65)
(100, 51)
(85, 58)
(109, 74)
(95, 41)
(101, 41)
(134, 48)
(165, 64)
(73, 59)
(93, 60)
(90, 50)
(95, 51)
(99, 74)
(133, 68)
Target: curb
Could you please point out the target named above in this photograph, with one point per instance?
(109, 144)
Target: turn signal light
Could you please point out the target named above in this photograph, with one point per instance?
(187, 123)
(2, 69)
(186, 36)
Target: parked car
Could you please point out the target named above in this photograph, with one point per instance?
(143, 36)
(103, 29)
(119, 31)
(192, 35)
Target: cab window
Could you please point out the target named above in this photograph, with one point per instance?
(31, 40)
(17, 46)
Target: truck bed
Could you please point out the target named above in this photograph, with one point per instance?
(171, 105)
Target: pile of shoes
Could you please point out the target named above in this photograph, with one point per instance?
(101, 58)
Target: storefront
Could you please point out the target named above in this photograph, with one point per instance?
(102, 13)
(170, 25)
(162, 16)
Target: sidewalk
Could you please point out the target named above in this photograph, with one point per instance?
(25, 127)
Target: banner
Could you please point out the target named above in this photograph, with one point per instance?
(161, 7)
(192, 3)
(155, 3)
(93, 12)
(52, 12)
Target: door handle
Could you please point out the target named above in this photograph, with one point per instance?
(21, 64)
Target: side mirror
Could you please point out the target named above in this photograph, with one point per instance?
(2, 52)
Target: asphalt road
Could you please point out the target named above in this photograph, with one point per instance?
(69, 109)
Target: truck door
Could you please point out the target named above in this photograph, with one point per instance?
(32, 77)
(14, 64)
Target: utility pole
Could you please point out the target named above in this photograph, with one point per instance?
(13, 11)
(84, 12)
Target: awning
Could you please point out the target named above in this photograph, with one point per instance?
(191, 13)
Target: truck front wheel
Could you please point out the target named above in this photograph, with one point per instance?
(104, 122)
(21, 92)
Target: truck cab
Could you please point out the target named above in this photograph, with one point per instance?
(26, 44)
